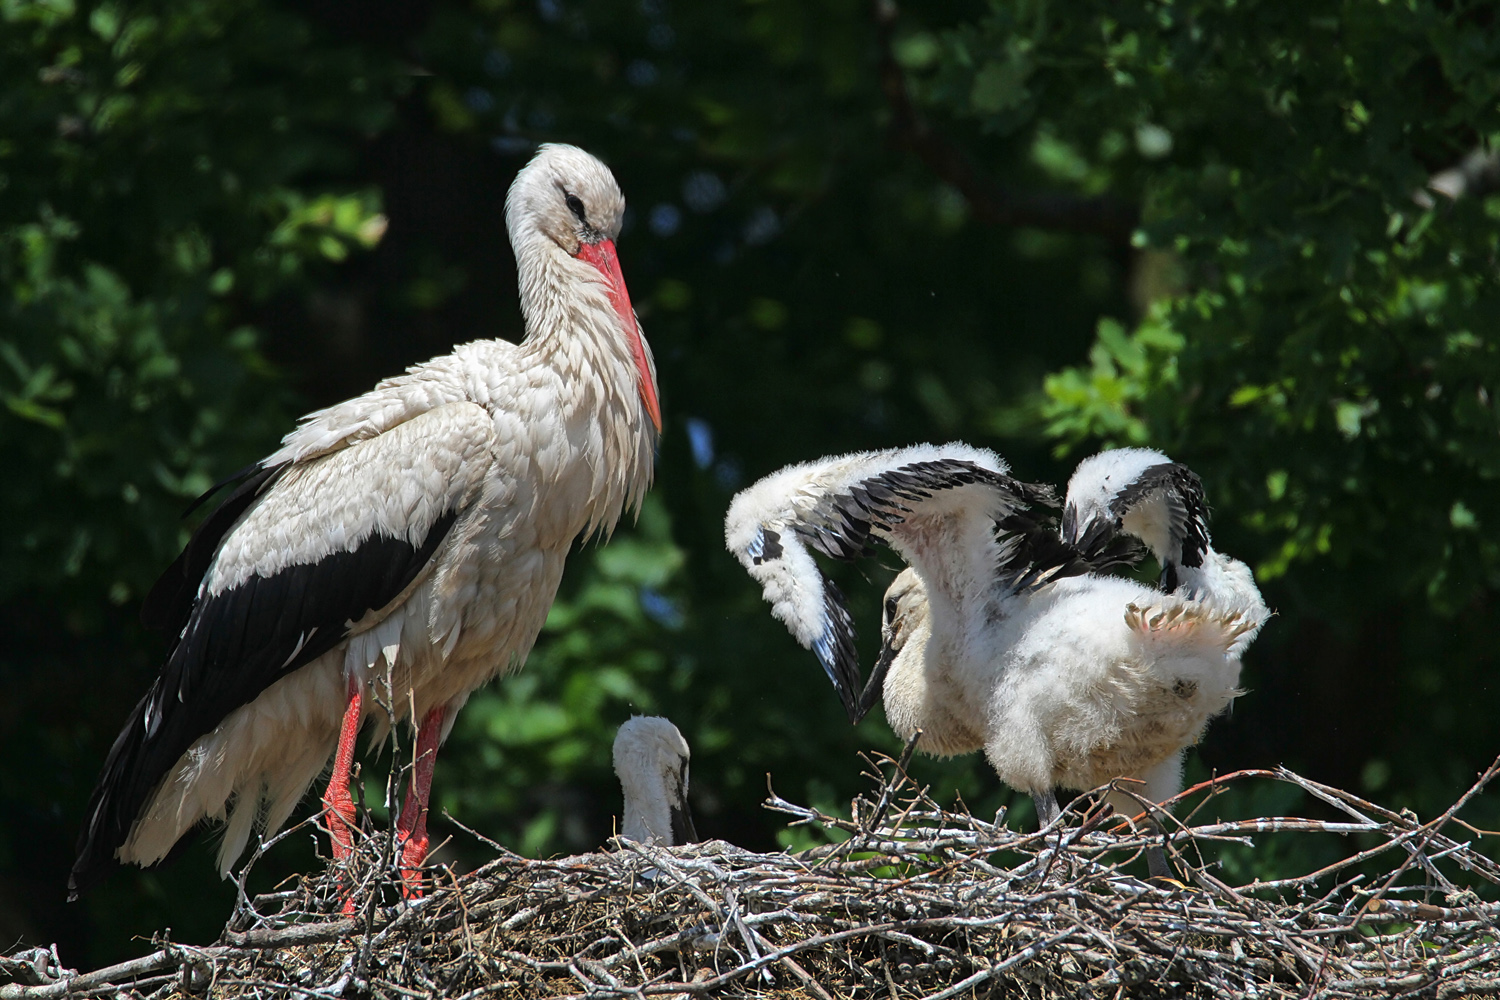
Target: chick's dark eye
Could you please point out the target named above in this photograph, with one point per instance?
(575, 205)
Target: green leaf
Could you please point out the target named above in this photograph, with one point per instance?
(1001, 85)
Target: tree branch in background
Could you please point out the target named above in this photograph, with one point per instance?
(1476, 175)
(990, 201)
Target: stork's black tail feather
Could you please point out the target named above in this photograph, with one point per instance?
(104, 826)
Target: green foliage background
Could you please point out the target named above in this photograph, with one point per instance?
(216, 214)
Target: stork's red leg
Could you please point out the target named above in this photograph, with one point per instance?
(411, 829)
(337, 800)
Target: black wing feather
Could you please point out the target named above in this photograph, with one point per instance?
(231, 646)
(1187, 508)
(840, 525)
(845, 525)
(836, 652)
(1036, 554)
(170, 602)
(680, 814)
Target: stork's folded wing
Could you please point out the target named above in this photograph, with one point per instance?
(314, 549)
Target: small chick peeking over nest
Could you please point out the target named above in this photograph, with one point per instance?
(651, 760)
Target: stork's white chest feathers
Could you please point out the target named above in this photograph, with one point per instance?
(559, 448)
(575, 450)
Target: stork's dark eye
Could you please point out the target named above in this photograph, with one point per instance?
(575, 205)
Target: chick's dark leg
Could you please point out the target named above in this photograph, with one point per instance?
(1046, 807)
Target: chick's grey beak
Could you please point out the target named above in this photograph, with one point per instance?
(1070, 524)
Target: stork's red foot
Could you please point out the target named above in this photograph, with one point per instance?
(338, 804)
(337, 800)
(411, 829)
(339, 818)
(413, 853)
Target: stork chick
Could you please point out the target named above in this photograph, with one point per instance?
(651, 760)
(400, 550)
(1000, 635)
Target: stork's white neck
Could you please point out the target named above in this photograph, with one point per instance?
(546, 274)
(573, 329)
(569, 315)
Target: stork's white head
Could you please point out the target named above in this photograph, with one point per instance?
(566, 200)
(566, 196)
(651, 760)
(1145, 494)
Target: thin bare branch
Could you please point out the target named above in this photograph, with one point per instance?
(990, 201)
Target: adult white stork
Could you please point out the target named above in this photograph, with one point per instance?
(651, 761)
(401, 548)
(1000, 635)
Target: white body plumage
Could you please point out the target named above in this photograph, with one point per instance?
(1085, 680)
(998, 636)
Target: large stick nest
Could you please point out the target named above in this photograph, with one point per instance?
(917, 901)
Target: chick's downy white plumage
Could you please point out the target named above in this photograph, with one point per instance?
(1000, 635)
(399, 550)
(651, 761)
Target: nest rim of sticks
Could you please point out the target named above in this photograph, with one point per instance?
(914, 901)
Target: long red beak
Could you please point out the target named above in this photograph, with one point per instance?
(602, 255)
